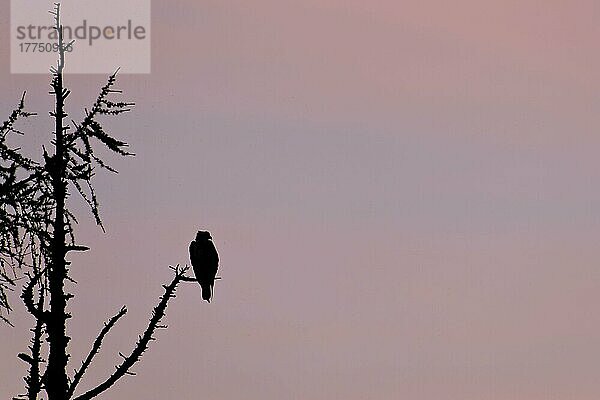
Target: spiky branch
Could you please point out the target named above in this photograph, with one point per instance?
(95, 348)
(143, 341)
(21, 207)
(34, 378)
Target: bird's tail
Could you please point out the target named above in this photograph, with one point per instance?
(206, 292)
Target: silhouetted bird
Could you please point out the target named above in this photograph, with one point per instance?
(205, 261)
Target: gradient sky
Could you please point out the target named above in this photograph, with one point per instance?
(405, 197)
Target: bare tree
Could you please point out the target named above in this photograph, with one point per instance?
(37, 234)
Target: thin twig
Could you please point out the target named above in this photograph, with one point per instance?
(95, 348)
(143, 340)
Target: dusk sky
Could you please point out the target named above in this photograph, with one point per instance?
(405, 197)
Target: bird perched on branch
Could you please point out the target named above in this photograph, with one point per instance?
(205, 261)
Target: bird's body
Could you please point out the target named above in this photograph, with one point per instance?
(205, 261)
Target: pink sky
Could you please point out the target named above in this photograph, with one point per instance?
(404, 198)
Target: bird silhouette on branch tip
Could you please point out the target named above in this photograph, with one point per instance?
(205, 263)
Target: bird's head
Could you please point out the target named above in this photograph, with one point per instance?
(203, 235)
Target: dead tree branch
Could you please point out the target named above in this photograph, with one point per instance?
(95, 348)
(143, 341)
(34, 379)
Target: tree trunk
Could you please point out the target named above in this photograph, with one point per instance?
(56, 377)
